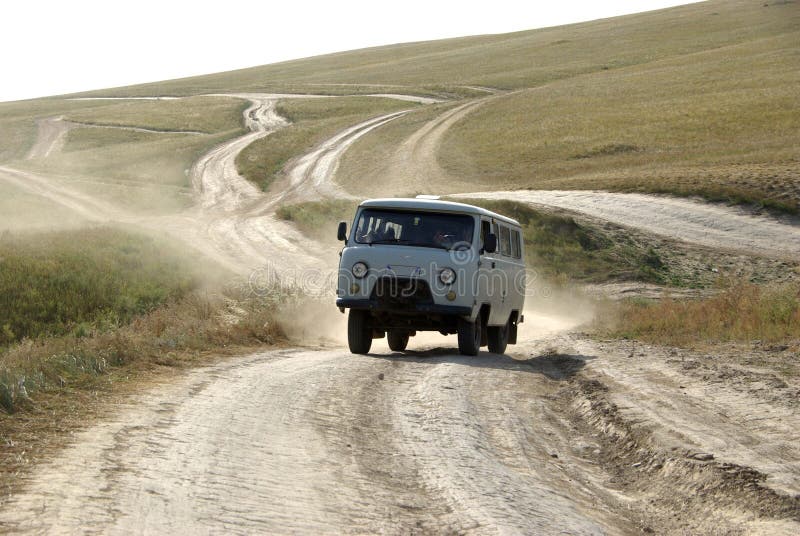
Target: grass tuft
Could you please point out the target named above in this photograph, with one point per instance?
(608, 150)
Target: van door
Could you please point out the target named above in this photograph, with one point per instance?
(490, 287)
(510, 265)
(516, 291)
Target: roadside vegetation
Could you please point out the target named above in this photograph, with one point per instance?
(77, 305)
(59, 283)
(312, 121)
(318, 219)
(740, 312)
(565, 250)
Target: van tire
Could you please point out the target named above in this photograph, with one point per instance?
(469, 336)
(498, 338)
(398, 340)
(359, 332)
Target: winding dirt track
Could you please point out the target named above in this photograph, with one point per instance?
(563, 435)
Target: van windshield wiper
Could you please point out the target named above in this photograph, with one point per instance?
(390, 241)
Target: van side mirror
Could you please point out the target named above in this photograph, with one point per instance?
(341, 234)
(490, 243)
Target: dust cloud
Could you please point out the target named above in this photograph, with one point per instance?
(314, 322)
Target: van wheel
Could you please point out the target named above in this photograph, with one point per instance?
(398, 340)
(469, 336)
(359, 333)
(498, 338)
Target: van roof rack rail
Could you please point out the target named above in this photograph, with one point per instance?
(427, 196)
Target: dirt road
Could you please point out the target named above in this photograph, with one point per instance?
(563, 435)
(713, 226)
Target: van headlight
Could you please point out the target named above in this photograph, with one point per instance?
(359, 269)
(447, 276)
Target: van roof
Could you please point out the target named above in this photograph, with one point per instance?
(434, 205)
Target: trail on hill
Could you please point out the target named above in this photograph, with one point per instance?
(561, 435)
(695, 222)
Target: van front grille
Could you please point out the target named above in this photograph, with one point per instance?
(401, 293)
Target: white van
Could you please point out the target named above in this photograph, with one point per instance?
(412, 265)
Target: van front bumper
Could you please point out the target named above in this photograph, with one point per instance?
(375, 305)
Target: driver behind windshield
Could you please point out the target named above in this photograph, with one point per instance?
(446, 231)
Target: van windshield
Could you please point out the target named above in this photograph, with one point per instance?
(411, 228)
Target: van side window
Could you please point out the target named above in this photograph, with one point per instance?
(486, 228)
(505, 241)
(515, 249)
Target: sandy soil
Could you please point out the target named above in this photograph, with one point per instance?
(563, 435)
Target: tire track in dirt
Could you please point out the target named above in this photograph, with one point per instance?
(50, 137)
(281, 442)
(311, 176)
(414, 166)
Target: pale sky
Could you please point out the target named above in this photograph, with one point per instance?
(55, 47)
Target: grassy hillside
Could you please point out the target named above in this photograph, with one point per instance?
(510, 61)
(722, 123)
(697, 99)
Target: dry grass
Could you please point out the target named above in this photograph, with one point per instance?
(177, 332)
(144, 172)
(741, 312)
(18, 123)
(312, 121)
